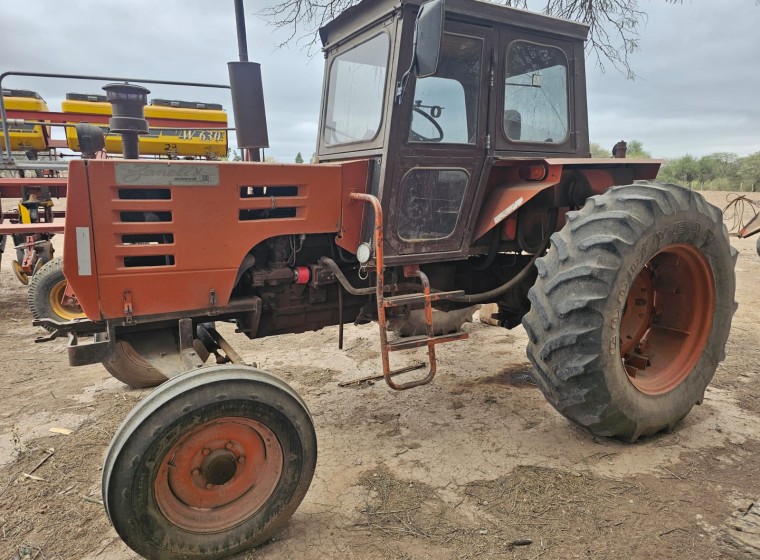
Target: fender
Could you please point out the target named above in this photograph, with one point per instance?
(509, 187)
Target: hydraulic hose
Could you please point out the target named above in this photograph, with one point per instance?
(504, 288)
(466, 298)
(491, 256)
(332, 265)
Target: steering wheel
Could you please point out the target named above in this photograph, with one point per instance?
(417, 137)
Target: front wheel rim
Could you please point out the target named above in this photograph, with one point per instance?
(22, 276)
(69, 311)
(219, 474)
(667, 319)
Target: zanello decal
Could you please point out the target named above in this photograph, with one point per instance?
(175, 174)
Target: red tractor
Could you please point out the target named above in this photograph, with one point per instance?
(454, 171)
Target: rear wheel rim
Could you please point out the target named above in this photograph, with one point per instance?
(219, 474)
(667, 319)
(68, 312)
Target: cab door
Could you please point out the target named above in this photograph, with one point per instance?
(441, 145)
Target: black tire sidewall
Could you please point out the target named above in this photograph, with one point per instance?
(690, 228)
(41, 285)
(134, 511)
(121, 366)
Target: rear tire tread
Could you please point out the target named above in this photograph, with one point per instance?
(566, 323)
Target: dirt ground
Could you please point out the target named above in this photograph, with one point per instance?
(475, 465)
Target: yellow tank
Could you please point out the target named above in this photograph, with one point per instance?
(25, 136)
(159, 141)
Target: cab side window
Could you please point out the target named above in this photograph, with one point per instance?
(535, 94)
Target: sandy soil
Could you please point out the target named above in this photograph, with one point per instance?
(475, 465)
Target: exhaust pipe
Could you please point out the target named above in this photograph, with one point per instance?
(247, 95)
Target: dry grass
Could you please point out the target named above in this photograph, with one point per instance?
(58, 513)
(532, 513)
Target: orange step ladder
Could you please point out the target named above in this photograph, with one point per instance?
(383, 303)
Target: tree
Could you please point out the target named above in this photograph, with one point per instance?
(726, 165)
(599, 151)
(707, 170)
(636, 150)
(613, 24)
(299, 158)
(749, 170)
(681, 170)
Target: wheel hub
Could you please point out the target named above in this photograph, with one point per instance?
(667, 319)
(229, 466)
(219, 467)
(63, 305)
(637, 313)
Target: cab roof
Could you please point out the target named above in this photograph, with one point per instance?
(368, 12)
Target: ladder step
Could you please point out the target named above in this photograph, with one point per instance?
(414, 299)
(409, 342)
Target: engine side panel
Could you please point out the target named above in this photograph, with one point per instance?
(166, 237)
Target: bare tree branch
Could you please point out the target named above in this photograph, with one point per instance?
(304, 18)
(613, 24)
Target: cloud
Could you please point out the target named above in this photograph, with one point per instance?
(179, 40)
(697, 91)
(697, 86)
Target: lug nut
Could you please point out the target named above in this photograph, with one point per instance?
(228, 445)
(205, 451)
(241, 459)
(208, 486)
(196, 472)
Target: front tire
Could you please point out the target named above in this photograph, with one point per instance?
(211, 463)
(46, 294)
(632, 308)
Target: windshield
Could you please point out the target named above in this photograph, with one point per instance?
(535, 107)
(355, 93)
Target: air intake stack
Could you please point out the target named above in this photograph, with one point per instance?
(128, 103)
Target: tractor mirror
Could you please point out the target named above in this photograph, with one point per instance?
(426, 47)
(428, 32)
(91, 139)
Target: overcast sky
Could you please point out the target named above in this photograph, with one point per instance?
(698, 89)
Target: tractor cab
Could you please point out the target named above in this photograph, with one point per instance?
(438, 98)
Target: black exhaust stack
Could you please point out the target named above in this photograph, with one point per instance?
(128, 103)
(247, 95)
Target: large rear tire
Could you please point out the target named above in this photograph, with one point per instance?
(211, 463)
(632, 308)
(46, 294)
